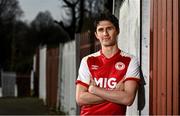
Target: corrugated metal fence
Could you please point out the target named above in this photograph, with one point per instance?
(164, 63)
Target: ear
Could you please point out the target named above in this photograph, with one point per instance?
(96, 35)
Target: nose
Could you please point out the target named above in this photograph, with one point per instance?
(105, 32)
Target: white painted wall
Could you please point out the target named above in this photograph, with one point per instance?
(42, 73)
(67, 78)
(129, 41)
(32, 81)
(129, 37)
(145, 56)
(129, 21)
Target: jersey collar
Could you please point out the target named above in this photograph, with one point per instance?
(105, 58)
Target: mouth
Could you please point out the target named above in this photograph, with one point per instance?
(106, 38)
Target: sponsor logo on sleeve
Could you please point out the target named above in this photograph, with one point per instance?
(94, 67)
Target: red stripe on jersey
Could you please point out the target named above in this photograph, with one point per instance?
(133, 78)
(81, 83)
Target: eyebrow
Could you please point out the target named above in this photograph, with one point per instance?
(109, 26)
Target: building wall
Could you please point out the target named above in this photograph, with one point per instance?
(164, 60)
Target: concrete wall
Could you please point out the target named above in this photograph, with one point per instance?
(145, 56)
(129, 41)
(67, 78)
(42, 73)
(129, 21)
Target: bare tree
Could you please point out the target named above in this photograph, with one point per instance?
(88, 10)
(72, 6)
(9, 10)
(80, 13)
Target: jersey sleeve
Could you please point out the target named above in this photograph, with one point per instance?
(83, 73)
(133, 71)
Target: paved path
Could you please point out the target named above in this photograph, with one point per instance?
(23, 106)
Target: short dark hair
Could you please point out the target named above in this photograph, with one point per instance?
(106, 16)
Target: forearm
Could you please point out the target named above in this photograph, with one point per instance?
(109, 95)
(86, 98)
(83, 97)
(115, 96)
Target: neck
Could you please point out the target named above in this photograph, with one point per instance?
(109, 51)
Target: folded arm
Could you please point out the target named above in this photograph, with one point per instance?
(83, 97)
(125, 97)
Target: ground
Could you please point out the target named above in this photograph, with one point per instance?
(24, 106)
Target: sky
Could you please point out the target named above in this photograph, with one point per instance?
(32, 7)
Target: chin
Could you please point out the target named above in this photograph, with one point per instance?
(108, 43)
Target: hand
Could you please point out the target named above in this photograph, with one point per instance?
(91, 89)
(91, 86)
(120, 85)
(92, 82)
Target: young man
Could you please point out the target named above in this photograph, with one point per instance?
(108, 79)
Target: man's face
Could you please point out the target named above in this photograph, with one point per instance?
(106, 33)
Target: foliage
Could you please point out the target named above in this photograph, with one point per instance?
(27, 38)
(46, 31)
(9, 12)
(21, 41)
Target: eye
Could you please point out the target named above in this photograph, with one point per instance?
(100, 30)
(110, 28)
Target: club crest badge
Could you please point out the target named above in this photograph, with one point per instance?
(119, 66)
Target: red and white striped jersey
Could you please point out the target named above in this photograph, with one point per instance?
(107, 72)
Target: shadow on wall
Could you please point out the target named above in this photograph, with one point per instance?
(141, 94)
